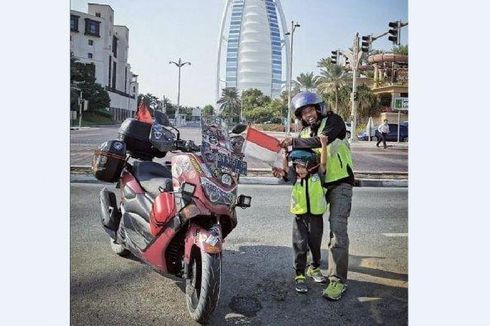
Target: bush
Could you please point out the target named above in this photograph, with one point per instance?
(269, 127)
(104, 113)
(96, 118)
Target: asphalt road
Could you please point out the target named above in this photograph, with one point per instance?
(366, 156)
(257, 280)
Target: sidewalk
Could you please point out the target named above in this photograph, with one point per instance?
(372, 166)
(83, 174)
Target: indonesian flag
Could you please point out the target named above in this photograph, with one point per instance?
(143, 114)
(263, 147)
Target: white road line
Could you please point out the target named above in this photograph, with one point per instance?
(367, 299)
(394, 235)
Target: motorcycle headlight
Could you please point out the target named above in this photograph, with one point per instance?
(226, 179)
(215, 194)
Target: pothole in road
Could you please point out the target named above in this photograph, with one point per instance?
(247, 306)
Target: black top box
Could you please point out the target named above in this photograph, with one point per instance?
(136, 135)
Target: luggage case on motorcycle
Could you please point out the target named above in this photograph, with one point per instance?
(108, 160)
(136, 135)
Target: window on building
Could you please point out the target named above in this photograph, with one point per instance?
(110, 66)
(114, 70)
(114, 46)
(90, 42)
(90, 55)
(97, 14)
(92, 27)
(74, 23)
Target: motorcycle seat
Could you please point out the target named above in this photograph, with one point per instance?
(152, 176)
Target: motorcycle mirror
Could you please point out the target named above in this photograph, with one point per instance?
(244, 201)
(162, 119)
(239, 128)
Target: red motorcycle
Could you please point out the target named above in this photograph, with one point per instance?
(175, 216)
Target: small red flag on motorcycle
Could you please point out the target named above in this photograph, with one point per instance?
(261, 146)
(143, 113)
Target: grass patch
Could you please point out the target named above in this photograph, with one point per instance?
(93, 118)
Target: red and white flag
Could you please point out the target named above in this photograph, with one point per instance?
(261, 146)
(143, 113)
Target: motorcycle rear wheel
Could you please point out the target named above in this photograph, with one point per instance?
(203, 285)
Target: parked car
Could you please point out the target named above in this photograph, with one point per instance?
(392, 135)
(348, 128)
(364, 135)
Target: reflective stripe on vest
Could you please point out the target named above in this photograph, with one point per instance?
(316, 196)
(338, 155)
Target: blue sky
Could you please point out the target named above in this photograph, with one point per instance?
(163, 30)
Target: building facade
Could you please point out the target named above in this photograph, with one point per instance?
(252, 35)
(95, 39)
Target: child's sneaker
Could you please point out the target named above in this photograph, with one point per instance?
(334, 290)
(300, 281)
(316, 274)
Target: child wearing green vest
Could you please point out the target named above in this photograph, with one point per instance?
(308, 203)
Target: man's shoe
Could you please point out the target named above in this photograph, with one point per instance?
(316, 274)
(300, 281)
(334, 290)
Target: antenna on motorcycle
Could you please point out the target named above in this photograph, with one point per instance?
(178, 132)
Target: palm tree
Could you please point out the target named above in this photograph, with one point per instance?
(332, 78)
(402, 49)
(229, 103)
(306, 81)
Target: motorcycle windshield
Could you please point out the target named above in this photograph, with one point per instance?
(216, 149)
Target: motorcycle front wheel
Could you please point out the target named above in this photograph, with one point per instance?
(119, 249)
(203, 285)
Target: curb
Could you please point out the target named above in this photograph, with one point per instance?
(77, 178)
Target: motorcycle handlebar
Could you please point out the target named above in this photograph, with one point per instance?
(186, 146)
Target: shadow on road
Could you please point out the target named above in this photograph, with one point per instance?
(257, 288)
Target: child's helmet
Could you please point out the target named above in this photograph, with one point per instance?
(304, 157)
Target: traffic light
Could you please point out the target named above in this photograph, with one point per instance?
(394, 31)
(334, 57)
(366, 43)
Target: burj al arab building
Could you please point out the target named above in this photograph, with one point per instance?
(251, 47)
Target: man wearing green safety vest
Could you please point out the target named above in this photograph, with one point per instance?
(309, 108)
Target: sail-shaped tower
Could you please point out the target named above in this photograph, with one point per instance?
(252, 50)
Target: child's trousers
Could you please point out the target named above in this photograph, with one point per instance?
(307, 233)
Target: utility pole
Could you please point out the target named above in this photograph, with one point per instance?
(354, 58)
(179, 64)
(80, 107)
(293, 28)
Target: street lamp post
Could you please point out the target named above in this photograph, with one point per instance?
(293, 28)
(179, 64)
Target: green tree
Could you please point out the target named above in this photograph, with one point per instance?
(368, 104)
(271, 111)
(332, 78)
(307, 81)
(402, 49)
(82, 75)
(251, 99)
(230, 104)
(208, 110)
(149, 99)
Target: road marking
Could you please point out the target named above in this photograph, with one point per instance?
(394, 235)
(367, 299)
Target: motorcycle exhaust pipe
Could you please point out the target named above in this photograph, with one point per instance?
(110, 214)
